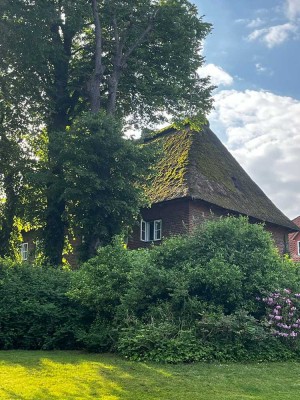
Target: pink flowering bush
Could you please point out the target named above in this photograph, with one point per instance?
(283, 313)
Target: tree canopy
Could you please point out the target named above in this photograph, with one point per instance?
(133, 60)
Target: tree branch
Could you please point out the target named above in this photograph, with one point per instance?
(94, 84)
(120, 59)
(140, 39)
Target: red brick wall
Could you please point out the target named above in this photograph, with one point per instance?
(175, 221)
(178, 217)
(181, 216)
(71, 258)
(280, 237)
(200, 211)
(294, 238)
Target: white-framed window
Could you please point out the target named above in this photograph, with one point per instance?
(24, 251)
(298, 248)
(151, 230)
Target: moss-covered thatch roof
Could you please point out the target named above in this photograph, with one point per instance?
(197, 165)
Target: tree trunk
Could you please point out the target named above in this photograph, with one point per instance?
(113, 90)
(54, 232)
(96, 78)
(8, 215)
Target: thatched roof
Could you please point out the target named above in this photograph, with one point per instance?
(197, 165)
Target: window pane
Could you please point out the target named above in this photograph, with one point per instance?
(151, 230)
(299, 248)
(143, 231)
(24, 251)
(157, 233)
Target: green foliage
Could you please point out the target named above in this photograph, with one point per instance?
(99, 286)
(148, 69)
(194, 297)
(35, 312)
(162, 342)
(104, 178)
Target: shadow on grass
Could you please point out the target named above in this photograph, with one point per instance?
(74, 375)
(29, 375)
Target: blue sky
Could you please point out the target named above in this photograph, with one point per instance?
(253, 55)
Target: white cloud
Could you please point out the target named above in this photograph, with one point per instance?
(260, 68)
(218, 76)
(255, 23)
(241, 21)
(263, 133)
(277, 34)
(292, 9)
(274, 35)
(263, 70)
(250, 23)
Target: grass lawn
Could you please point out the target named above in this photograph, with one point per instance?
(66, 375)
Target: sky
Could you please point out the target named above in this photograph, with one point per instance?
(253, 56)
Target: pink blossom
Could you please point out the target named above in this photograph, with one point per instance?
(283, 334)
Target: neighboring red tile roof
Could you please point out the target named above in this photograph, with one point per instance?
(297, 221)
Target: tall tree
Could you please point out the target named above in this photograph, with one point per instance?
(133, 59)
(104, 175)
(38, 40)
(14, 161)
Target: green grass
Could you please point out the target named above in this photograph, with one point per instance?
(37, 375)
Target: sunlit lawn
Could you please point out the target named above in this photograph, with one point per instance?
(74, 375)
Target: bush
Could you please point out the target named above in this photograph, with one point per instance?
(194, 297)
(162, 341)
(35, 312)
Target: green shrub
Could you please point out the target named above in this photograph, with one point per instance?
(162, 342)
(35, 312)
(194, 297)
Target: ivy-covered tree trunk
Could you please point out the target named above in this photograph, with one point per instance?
(55, 228)
(54, 231)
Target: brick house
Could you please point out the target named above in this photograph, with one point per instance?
(30, 243)
(198, 179)
(294, 242)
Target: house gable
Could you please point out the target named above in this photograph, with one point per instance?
(294, 242)
(196, 167)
